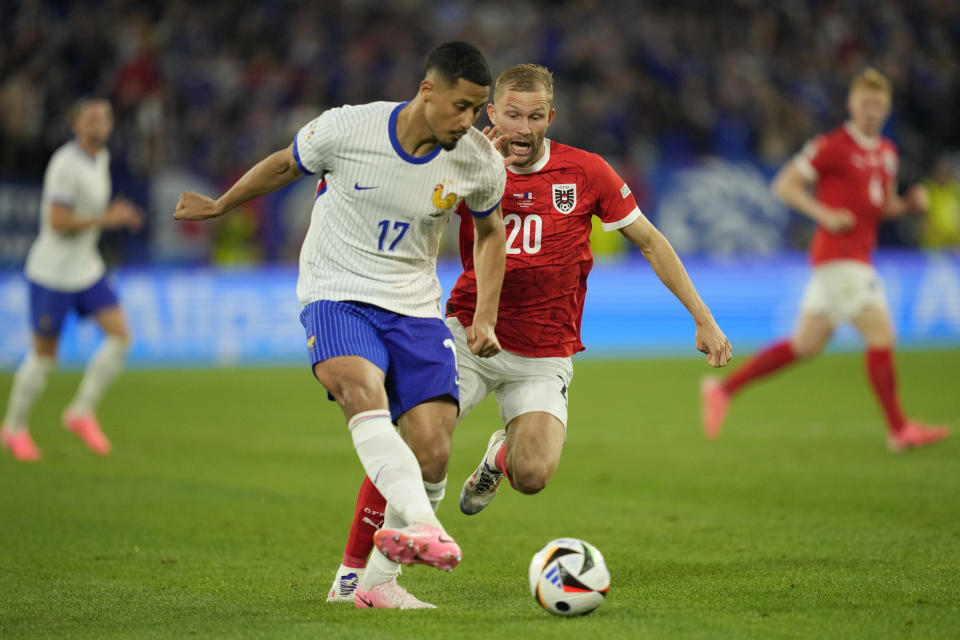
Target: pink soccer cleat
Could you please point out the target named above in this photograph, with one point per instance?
(87, 427)
(20, 444)
(419, 544)
(388, 595)
(915, 434)
(714, 402)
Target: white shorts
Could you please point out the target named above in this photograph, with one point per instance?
(522, 384)
(843, 288)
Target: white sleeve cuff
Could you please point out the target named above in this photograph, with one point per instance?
(622, 222)
(806, 168)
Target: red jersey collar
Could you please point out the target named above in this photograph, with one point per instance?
(870, 143)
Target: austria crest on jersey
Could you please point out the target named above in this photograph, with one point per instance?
(564, 197)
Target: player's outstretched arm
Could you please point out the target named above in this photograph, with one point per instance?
(120, 213)
(793, 188)
(489, 259)
(666, 264)
(273, 172)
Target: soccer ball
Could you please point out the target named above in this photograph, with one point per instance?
(569, 577)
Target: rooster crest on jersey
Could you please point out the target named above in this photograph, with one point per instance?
(564, 197)
(440, 202)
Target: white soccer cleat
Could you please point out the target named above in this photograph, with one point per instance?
(344, 584)
(480, 488)
(389, 595)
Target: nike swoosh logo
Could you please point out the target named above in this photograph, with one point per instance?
(443, 540)
(356, 185)
(364, 601)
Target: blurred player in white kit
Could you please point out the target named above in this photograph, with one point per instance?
(66, 273)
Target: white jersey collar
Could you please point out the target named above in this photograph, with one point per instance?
(539, 164)
(83, 152)
(869, 143)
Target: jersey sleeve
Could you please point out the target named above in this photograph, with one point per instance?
(818, 154)
(485, 198)
(61, 182)
(616, 206)
(313, 146)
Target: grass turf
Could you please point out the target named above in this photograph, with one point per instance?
(223, 510)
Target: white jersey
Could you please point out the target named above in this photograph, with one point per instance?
(379, 213)
(80, 182)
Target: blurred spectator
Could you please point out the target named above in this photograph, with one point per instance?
(941, 226)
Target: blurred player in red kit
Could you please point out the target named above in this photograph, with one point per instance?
(553, 191)
(854, 169)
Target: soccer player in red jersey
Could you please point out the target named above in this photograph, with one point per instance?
(854, 169)
(553, 191)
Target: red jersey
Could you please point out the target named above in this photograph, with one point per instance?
(547, 211)
(852, 172)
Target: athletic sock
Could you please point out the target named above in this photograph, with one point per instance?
(435, 492)
(770, 359)
(391, 466)
(101, 370)
(28, 382)
(883, 378)
(380, 568)
(500, 462)
(368, 517)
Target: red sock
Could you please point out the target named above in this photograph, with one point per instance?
(773, 357)
(884, 380)
(367, 518)
(501, 461)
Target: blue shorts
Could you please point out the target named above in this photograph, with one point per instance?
(417, 355)
(49, 308)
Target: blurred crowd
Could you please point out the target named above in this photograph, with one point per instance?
(213, 87)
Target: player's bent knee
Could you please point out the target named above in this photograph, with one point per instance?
(804, 349)
(433, 457)
(530, 479)
(528, 483)
(121, 340)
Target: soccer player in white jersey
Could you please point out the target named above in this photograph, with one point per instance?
(65, 272)
(391, 175)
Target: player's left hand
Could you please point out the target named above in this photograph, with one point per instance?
(498, 142)
(917, 198)
(482, 340)
(711, 341)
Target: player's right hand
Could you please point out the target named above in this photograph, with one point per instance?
(482, 340)
(838, 220)
(498, 143)
(193, 206)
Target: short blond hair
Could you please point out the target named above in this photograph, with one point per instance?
(525, 77)
(870, 78)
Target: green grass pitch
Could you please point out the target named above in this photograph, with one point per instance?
(223, 510)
